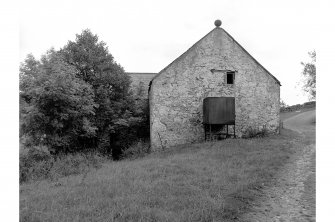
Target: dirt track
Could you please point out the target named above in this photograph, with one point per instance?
(293, 196)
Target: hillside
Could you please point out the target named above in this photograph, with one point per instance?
(211, 181)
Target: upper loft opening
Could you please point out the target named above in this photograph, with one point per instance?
(230, 77)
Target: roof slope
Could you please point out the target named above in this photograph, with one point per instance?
(193, 46)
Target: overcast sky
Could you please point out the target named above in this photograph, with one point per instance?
(146, 35)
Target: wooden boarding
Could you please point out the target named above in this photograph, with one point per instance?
(218, 112)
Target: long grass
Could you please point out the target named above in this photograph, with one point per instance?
(213, 181)
(36, 164)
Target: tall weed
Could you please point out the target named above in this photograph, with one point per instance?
(40, 165)
(138, 149)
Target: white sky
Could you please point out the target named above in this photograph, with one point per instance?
(146, 35)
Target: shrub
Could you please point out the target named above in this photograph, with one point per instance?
(72, 164)
(255, 133)
(296, 107)
(39, 165)
(77, 98)
(310, 104)
(59, 106)
(34, 165)
(138, 149)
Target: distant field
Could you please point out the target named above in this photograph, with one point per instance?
(215, 181)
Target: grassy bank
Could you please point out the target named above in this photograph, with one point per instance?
(200, 182)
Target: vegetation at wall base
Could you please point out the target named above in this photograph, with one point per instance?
(256, 133)
(137, 150)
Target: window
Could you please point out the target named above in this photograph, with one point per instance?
(230, 77)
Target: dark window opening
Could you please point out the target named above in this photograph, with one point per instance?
(230, 77)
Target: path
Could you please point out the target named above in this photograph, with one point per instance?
(293, 196)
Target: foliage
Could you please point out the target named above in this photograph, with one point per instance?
(29, 71)
(117, 113)
(283, 105)
(309, 73)
(39, 165)
(251, 132)
(296, 107)
(310, 104)
(90, 56)
(59, 106)
(30, 166)
(138, 149)
(78, 98)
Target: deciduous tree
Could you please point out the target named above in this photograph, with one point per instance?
(79, 96)
(115, 114)
(309, 73)
(60, 107)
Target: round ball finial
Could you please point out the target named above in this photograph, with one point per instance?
(217, 23)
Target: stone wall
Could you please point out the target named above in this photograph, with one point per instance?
(177, 92)
(140, 80)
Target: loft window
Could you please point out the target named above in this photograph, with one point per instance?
(230, 77)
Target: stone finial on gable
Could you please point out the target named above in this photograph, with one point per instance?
(217, 23)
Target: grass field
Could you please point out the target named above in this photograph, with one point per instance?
(215, 181)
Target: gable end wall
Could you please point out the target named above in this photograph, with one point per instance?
(177, 93)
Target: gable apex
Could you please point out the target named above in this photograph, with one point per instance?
(217, 28)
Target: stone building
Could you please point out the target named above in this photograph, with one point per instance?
(140, 82)
(216, 66)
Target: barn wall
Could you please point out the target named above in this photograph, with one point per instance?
(177, 93)
(141, 80)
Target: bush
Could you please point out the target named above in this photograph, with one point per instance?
(76, 98)
(296, 107)
(34, 165)
(138, 149)
(256, 133)
(59, 106)
(73, 164)
(39, 165)
(310, 104)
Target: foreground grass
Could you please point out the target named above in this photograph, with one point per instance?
(201, 182)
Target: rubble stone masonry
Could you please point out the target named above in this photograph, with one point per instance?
(177, 92)
(140, 81)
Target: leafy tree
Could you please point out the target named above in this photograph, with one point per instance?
(60, 106)
(309, 73)
(282, 104)
(142, 110)
(91, 57)
(115, 114)
(80, 97)
(28, 73)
